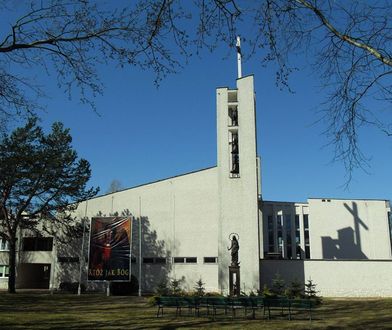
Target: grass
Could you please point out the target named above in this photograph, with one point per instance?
(93, 311)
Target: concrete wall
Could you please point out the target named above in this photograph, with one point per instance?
(238, 196)
(334, 278)
(179, 219)
(349, 229)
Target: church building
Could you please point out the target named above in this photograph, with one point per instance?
(183, 227)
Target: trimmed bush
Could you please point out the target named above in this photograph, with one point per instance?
(71, 287)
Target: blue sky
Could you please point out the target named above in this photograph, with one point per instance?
(144, 133)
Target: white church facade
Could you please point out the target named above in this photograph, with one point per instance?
(185, 224)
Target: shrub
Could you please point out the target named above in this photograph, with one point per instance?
(310, 291)
(265, 292)
(176, 289)
(71, 287)
(294, 290)
(125, 288)
(200, 289)
(152, 300)
(278, 285)
(163, 289)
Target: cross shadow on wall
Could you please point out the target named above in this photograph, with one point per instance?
(348, 244)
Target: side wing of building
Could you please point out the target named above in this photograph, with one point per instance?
(342, 245)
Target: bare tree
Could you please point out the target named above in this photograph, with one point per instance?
(70, 38)
(349, 44)
(114, 186)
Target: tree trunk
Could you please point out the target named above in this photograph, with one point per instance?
(12, 265)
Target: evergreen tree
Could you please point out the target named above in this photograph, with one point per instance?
(200, 289)
(295, 289)
(278, 285)
(41, 181)
(310, 291)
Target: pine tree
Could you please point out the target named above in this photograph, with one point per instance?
(278, 285)
(41, 182)
(200, 289)
(311, 292)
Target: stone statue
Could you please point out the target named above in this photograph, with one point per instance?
(234, 251)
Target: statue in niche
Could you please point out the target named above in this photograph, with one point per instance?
(234, 250)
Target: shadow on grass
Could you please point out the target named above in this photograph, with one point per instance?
(43, 311)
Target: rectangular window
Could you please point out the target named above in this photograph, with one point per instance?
(191, 260)
(233, 115)
(4, 271)
(179, 260)
(306, 235)
(280, 233)
(210, 260)
(68, 259)
(297, 237)
(271, 236)
(148, 260)
(287, 223)
(37, 243)
(4, 245)
(160, 260)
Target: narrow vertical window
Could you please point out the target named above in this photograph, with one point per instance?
(271, 236)
(306, 235)
(3, 245)
(297, 238)
(280, 234)
(289, 247)
(233, 116)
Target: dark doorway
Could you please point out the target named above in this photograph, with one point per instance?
(33, 276)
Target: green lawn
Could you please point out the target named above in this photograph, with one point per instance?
(93, 311)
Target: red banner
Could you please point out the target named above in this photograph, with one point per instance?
(110, 249)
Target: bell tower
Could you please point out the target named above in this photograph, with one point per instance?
(238, 186)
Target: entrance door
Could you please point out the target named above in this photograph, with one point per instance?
(33, 276)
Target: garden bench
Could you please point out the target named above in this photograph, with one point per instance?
(244, 303)
(216, 303)
(302, 305)
(167, 302)
(280, 303)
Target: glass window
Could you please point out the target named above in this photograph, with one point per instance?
(210, 260)
(4, 271)
(160, 260)
(3, 245)
(37, 243)
(191, 260)
(306, 235)
(306, 221)
(179, 260)
(271, 236)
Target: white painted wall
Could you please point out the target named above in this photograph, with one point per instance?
(180, 220)
(360, 278)
(349, 229)
(238, 197)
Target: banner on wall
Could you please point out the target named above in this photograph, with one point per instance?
(110, 249)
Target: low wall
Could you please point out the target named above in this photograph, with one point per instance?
(334, 278)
